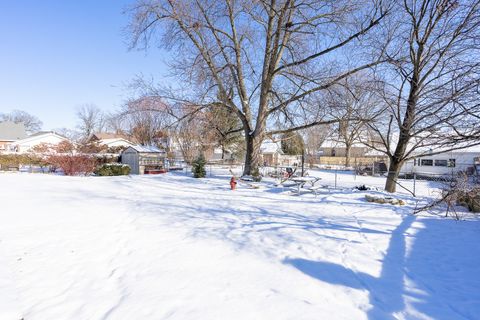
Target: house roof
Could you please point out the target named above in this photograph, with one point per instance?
(111, 141)
(332, 143)
(108, 135)
(11, 131)
(145, 149)
(42, 133)
(466, 149)
(269, 146)
(39, 135)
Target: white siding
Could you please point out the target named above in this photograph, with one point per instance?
(27, 144)
(464, 161)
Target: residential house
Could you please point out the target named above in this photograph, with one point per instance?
(43, 137)
(273, 155)
(335, 148)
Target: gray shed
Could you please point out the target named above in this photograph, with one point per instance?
(144, 159)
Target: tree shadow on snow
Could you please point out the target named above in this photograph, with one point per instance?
(441, 268)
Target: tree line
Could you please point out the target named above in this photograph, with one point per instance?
(402, 77)
(406, 72)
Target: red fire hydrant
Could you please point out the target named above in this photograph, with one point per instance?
(233, 183)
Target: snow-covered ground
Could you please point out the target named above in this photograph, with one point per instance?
(173, 247)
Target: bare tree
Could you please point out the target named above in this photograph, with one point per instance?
(91, 119)
(264, 61)
(314, 138)
(354, 103)
(144, 119)
(115, 122)
(32, 124)
(70, 134)
(431, 91)
(191, 133)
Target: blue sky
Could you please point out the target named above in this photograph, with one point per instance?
(57, 55)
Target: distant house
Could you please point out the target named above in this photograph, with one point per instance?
(273, 155)
(111, 140)
(42, 137)
(334, 148)
(464, 160)
(10, 132)
(144, 159)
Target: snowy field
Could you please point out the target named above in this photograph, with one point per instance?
(173, 247)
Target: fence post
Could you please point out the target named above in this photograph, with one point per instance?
(414, 183)
(336, 178)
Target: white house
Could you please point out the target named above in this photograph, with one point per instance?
(273, 154)
(334, 148)
(42, 137)
(465, 160)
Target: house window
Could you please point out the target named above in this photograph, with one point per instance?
(427, 162)
(451, 163)
(441, 163)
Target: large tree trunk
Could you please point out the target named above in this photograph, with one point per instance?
(393, 173)
(348, 147)
(398, 158)
(253, 155)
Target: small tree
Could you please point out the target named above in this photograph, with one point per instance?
(198, 167)
(292, 144)
(224, 127)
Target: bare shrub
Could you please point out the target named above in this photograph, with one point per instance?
(458, 192)
(71, 162)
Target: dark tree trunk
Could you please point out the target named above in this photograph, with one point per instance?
(348, 147)
(253, 155)
(393, 173)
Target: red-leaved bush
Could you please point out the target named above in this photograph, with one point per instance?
(73, 165)
(65, 157)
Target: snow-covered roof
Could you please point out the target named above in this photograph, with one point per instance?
(332, 143)
(269, 146)
(471, 149)
(374, 153)
(41, 135)
(146, 149)
(116, 140)
(107, 135)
